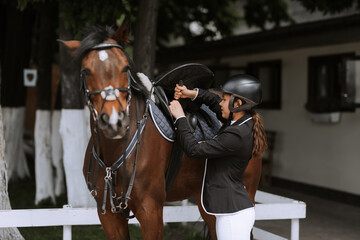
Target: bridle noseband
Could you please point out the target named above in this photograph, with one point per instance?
(118, 204)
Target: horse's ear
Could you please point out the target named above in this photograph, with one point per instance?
(71, 45)
(122, 33)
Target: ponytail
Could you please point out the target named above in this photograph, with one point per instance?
(259, 135)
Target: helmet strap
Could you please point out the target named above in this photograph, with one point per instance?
(247, 104)
(230, 119)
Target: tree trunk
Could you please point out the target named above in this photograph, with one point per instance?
(56, 143)
(145, 37)
(43, 160)
(13, 119)
(57, 153)
(5, 233)
(74, 128)
(15, 57)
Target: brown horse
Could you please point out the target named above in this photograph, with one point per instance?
(118, 106)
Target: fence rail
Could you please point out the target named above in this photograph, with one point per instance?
(268, 207)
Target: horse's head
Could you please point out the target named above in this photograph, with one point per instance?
(106, 72)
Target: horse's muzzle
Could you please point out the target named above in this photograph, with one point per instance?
(115, 125)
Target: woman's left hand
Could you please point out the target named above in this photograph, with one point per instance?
(176, 109)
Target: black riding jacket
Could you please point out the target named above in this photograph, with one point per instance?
(227, 154)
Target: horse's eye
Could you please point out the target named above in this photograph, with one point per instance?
(125, 69)
(85, 71)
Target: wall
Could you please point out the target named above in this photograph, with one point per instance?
(325, 155)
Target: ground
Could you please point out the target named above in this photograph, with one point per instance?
(325, 219)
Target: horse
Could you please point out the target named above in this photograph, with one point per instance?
(125, 143)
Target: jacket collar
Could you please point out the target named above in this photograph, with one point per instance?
(243, 119)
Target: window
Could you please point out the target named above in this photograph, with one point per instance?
(329, 89)
(269, 74)
(224, 72)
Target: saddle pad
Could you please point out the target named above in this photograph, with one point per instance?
(166, 130)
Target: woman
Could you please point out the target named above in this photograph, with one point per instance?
(228, 153)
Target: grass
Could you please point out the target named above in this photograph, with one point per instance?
(78, 233)
(22, 196)
(174, 231)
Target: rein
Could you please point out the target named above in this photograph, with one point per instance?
(118, 204)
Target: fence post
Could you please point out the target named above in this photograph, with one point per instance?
(295, 229)
(67, 228)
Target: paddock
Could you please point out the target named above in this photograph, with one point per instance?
(268, 207)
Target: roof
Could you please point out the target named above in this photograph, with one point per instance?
(310, 34)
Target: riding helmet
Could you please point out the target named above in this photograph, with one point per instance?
(245, 87)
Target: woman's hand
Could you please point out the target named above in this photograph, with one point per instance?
(176, 109)
(183, 92)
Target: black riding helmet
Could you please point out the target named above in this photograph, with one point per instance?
(245, 87)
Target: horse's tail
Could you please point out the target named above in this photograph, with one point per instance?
(259, 134)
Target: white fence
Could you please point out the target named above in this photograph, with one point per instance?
(268, 207)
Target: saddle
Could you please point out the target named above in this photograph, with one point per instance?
(202, 121)
(192, 75)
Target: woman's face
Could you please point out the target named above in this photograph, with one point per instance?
(225, 105)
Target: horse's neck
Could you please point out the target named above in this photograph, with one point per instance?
(109, 150)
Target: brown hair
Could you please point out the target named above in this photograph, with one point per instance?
(259, 134)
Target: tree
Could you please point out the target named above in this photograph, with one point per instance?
(15, 56)
(213, 18)
(329, 6)
(174, 21)
(145, 35)
(258, 13)
(5, 233)
(45, 184)
(73, 128)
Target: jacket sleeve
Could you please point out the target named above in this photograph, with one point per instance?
(212, 101)
(225, 144)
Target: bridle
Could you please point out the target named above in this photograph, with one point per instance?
(118, 204)
(108, 94)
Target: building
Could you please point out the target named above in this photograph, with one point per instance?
(310, 73)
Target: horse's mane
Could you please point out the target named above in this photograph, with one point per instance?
(95, 35)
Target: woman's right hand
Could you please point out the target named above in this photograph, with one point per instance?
(176, 109)
(183, 92)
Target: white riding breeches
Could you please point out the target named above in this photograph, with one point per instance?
(235, 226)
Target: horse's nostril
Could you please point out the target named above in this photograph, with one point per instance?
(104, 119)
(121, 115)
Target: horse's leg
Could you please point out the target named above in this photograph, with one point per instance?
(210, 220)
(115, 226)
(150, 216)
